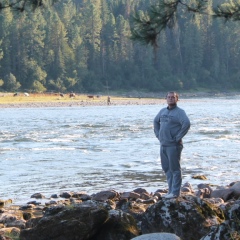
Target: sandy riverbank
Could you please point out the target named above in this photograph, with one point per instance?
(7, 100)
(82, 103)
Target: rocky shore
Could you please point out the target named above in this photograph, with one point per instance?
(205, 213)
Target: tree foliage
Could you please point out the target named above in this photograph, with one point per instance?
(22, 5)
(11, 82)
(147, 26)
(86, 46)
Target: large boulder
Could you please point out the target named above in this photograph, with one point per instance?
(236, 188)
(68, 223)
(229, 229)
(188, 217)
(120, 225)
(88, 220)
(225, 194)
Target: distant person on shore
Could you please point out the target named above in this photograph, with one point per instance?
(170, 125)
(108, 100)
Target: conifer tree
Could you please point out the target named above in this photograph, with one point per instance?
(6, 22)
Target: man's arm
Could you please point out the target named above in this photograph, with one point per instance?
(185, 123)
(156, 125)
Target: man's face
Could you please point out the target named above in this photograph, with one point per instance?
(171, 99)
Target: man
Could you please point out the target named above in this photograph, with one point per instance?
(170, 125)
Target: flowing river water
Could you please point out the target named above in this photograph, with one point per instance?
(52, 150)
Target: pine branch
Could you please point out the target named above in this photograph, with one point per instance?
(163, 15)
(146, 28)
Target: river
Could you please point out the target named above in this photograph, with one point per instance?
(52, 150)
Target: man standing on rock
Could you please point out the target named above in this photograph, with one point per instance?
(170, 125)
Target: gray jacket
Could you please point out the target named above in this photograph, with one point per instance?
(171, 125)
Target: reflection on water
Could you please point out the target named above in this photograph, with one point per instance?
(50, 150)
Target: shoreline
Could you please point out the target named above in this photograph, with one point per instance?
(82, 103)
(38, 101)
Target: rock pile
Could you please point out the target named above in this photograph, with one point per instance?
(204, 214)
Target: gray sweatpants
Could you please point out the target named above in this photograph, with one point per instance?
(170, 159)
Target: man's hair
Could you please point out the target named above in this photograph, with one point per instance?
(173, 92)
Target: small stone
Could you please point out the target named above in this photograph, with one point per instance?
(145, 196)
(54, 196)
(201, 177)
(129, 195)
(105, 195)
(27, 207)
(38, 195)
(149, 201)
(34, 203)
(65, 195)
(140, 190)
(27, 216)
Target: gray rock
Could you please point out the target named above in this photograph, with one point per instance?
(187, 187)
(204, 185)
(140, 190)
(162, 190)
(157, 236)
(119, 226)
(82, 196)
(129, 195)
(21, 223)
(225, 194)
(52, 202)
(34, 203)
(232, 183)
(54, 196)
(38, 196)
(236, 189)
(105, 195)
(79, 222)
(66, 195)
(203, 193)
(158, 195)
(88, 220)
(145, 196)
(26, 207)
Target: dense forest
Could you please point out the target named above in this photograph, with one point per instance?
(85, 46)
